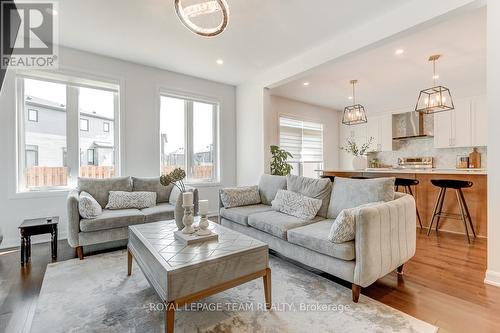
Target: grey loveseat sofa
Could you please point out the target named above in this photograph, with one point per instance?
(385, 236)
(112, 225)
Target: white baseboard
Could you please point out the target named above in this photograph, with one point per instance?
(16, 242)
(492, 278)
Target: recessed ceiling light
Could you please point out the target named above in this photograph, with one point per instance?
(51, 11)
(349, 97)
(435, 77)
(399, 51)
(219, 62)
(305, 84)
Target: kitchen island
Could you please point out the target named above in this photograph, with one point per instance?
(426, 193)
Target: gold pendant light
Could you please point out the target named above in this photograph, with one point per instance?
(354, 114)
(435, 99)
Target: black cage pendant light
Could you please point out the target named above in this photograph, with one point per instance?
(354, 114)
(435, 99)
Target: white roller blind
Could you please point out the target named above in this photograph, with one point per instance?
(304, 140)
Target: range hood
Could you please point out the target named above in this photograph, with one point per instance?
(412, 125)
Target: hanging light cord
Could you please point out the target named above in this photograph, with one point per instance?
(434, 71)
(353, 94)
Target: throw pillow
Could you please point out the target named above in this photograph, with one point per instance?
(269, 186)
(350, 193)
(296, 204)
(344, 227)
(317, 188)
(125, 200)
(240, 196)
(88, 207)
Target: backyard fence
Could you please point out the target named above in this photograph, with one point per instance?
(58, 176)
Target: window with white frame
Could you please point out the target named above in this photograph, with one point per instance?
(304, 140)
(33, 115)
(188, 137)
(50, 148)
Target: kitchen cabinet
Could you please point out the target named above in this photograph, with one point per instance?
(380, 128)
(465, 126)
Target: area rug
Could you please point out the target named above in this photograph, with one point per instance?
(96, 295)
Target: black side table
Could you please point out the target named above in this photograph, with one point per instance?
(46, 225)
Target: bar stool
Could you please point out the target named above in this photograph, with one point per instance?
(464, 215)
(407, 184)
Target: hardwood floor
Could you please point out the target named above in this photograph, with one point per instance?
(442, 285)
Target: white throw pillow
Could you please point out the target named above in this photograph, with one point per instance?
(124, 200)
(88, 207)
(240, 196)
(344, 227)
(296, 204)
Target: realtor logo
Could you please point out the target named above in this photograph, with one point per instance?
(29, 34)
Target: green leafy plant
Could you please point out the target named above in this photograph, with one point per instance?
(175, 177)
(352, 148)
(279, 165)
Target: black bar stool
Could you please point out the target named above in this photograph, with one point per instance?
(464, 215)
(407, 184)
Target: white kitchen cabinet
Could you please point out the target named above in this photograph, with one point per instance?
(380, 128)
(453, 128)
(479, 116)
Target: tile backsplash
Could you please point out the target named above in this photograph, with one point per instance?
(444, 158)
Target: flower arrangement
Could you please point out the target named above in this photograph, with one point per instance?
(175, 177)
(352, 148)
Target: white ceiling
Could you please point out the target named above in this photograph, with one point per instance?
(389, 82)
(261, 33)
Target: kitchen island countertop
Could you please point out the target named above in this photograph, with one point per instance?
(435, 171)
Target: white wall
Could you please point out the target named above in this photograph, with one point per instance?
(139, 104)
(493, 72)
(328, 117)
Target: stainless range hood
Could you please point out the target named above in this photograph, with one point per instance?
(412, 125)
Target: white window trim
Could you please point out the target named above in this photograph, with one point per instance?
(36, 118)
(188, 133)
(72, 82)
(88, 125)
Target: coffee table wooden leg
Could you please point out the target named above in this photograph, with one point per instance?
(129, 262)
(169, 317)
(267, 288)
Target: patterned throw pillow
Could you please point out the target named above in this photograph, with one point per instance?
(344, 227)
(88, 207)
(296, 204)
(124, 200)
(240, 196)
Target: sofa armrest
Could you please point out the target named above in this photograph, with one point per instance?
(73, 218)
(385, 238)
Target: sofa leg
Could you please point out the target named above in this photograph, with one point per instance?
(356, 290)
(400, 270)
(79, 252)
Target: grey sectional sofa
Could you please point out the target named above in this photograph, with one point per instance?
(112, 225)
(385, 235)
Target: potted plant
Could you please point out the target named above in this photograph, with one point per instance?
(279, 165)
(176, 178)
(359, 161)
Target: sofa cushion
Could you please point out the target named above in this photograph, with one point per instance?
(240, 214)
(126, 200)
(240, 196)
(152, 184)
(110, 219)
(277, 224)
(315, 237)
(88, 207)
(160, 212)
(313, 188)
(269, 186)
(296, 204)
(350, 193)
(99, 188)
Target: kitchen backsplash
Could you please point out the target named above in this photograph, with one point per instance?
(443, 158)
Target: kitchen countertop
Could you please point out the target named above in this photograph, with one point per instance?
(423, 171)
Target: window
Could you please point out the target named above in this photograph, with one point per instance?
(304, 140)
(90, 156)
(48, 147)
(188, 138)
(33, 115)
(105, 127)
(84, 125)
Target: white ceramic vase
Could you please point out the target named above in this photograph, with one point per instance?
(360, 162)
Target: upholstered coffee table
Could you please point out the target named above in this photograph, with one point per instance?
(183, 274)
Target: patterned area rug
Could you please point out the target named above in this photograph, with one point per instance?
(96, 295)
